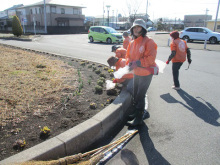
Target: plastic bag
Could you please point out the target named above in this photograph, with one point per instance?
(121, 72)
(109, 85)
(161, 65)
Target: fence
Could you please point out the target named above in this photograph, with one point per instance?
(51, 29)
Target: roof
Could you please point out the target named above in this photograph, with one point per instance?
(57, 2)
(15, 7)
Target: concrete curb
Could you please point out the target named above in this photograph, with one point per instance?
(78, 138)
(18, 39)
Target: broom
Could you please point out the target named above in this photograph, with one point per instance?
(94, 160)
(71, 159)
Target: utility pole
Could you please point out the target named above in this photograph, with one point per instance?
(206, 13)
(113, 19)
(116, 17)
(103, 15)
(108, 8)
(216, 15)
(45, 18)
(147, 9)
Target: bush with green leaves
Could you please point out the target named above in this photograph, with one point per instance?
(16, 26)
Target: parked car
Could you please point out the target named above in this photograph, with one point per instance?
(151, 29)
(104, 34)
(200, 34)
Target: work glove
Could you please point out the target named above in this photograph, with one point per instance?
(167, 62)
(189, 61)
(134, 64)
(115, 80)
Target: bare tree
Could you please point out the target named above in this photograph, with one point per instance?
(133, 7)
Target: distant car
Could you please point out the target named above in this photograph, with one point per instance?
(151, 29)
(104, 34)
(200, 34)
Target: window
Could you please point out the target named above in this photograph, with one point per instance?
(202, 31)
(53, 9)
(102, 30)
(35, 10)
(62, 11)
(218, 26)
(31, 12)
(75, 11)
(95, 29)
(63, 23)
(191, 30)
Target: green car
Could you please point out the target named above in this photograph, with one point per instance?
(104, 34)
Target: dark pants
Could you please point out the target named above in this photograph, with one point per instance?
(176, 66)
(138, 87)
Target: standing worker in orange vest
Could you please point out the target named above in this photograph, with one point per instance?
(126, 41)
(119, 52)
(141, 55)
(179, 50)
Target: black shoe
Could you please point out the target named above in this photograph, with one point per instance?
(138, 120)
(146, 115)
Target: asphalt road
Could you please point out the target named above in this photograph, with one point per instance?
(184, 127)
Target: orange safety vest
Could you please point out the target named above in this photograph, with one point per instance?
(120, 53)
(180, 47)
(145, 50)
(120, 64)
(126, 42)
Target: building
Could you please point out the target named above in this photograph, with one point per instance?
(6, 17)
(61, 17)
(196, 20)
(211, 24)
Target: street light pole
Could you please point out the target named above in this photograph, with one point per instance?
(45, 18)
(108, 8)
(216, 15)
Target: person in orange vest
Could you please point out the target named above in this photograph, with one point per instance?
(126, 41)
(119, 63)
(119, 52)
(179, 51)
(140, 57)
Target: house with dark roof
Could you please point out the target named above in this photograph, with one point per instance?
(61, 17)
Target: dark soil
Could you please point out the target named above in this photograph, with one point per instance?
(69, 112)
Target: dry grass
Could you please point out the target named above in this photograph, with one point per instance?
(27, 81)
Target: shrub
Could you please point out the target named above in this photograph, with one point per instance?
(16, 26)
(102, 75)
(100, 83)
(98, 71)
(98, 89)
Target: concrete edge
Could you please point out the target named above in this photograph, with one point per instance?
(78, 138)
(18, 39)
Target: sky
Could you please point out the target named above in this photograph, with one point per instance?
(171, 9)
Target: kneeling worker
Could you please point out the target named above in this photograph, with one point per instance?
(119, 63)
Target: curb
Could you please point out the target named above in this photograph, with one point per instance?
(70, 141)
(17, 39)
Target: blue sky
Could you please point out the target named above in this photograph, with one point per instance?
(156, 8)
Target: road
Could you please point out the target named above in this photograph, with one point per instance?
(184, 127)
